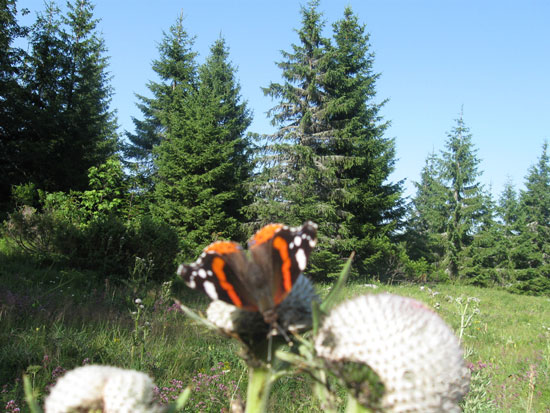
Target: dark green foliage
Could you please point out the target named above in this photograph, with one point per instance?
(455, 225)
(202, 162)
(427, 219)
(508, 231)
(465, 200)
(177, 71)
(285, 191)
(156, 242)
(535, 203)
(329, 161)
(531, 252)
(13, 98)
(107, 244)
(360, 157)
(74, 128)
(64, 125)
(97, 229)
(451, 223)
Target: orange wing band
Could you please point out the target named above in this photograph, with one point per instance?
(223, 247)
(217, 268)
(266, 233)
(282, 246)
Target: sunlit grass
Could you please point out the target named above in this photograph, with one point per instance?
(55, 320)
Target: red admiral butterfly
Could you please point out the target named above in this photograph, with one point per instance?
(278, 254)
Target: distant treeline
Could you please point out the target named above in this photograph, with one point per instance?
(190, 174)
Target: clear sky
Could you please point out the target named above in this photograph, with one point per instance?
(490, 56)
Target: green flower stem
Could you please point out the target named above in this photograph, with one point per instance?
(353, 406)
(259, 386)
(30, 395)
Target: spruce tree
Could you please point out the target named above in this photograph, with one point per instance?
(359, 155)
(91, 136)
(43, 130)
(485, 260)
(14, 101)
(459, 167)
(70, 127)
(532, 255)
(286, 189)
(508, 216)
(202, 161)
(427, 220)
(176, 69)
(329, 161)
(508, 207)
(450, 207)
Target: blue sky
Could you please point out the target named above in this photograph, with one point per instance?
(490, 57)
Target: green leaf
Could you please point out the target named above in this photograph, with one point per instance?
(335, 294)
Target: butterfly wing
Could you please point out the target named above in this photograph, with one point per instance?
(221, 272)
(283, 252)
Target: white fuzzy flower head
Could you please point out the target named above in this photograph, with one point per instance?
(415, 355)
(104, 388)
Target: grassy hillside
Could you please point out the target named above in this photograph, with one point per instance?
(52, 320)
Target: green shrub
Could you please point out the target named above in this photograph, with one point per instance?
(105, 244)
(40, 235)
(25, 194)
(157, 241)
(102, 247)
(534, 281)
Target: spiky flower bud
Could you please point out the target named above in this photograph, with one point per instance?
(415, 357)
(102, 388)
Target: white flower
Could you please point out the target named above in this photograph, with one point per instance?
(137, 301)
(413, 352)
(109, 389)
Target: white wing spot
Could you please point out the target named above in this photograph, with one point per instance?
(312, 243)
(291, 246)
(202, 273)
(181, 270)
(301, 259)
(210, 273)
(210, 290)
(191, 283)
(297, 241)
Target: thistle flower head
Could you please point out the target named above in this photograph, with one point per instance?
(103, 388)
(414, 355)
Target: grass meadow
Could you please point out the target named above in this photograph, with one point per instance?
(53, 320)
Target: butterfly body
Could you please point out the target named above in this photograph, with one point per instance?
(257, 281)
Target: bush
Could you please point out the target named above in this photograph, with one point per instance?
(105, 244)
(399, 267)
(534, 281)
(102, 247)
(480, 276)
(41, 235)
(25, 194)
(156, 241)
